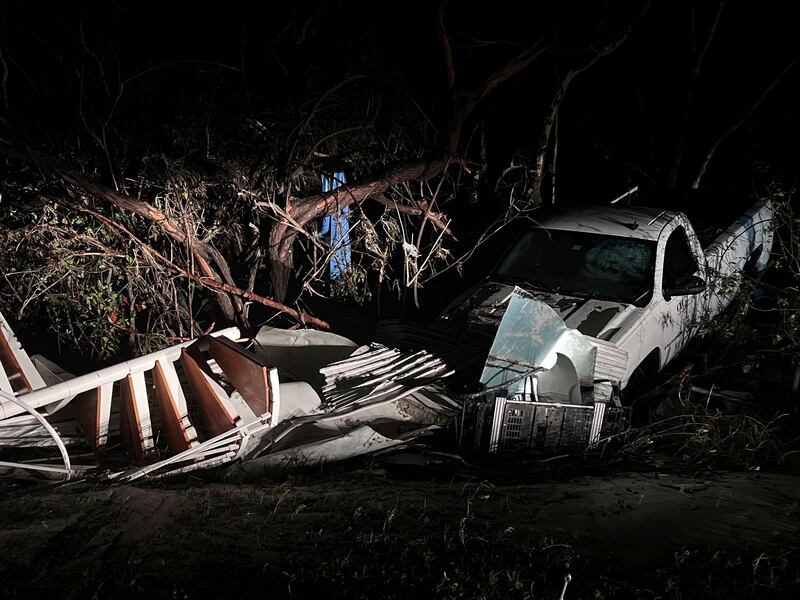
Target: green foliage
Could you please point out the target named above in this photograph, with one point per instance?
(59, 281)
(740, 289)
(703, 438)
(771, 323)
(93, 289)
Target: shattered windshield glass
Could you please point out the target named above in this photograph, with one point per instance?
(585, 264)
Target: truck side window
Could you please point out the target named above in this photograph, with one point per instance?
(679, 260)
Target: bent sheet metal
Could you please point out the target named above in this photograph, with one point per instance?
(211, 402)
(532, 341)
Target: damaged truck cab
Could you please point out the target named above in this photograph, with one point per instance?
(636, 282)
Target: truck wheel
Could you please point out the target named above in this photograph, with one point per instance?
(637, 385)
(640, 407)
(640, 383)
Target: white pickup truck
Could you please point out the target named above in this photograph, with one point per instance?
(638, 280)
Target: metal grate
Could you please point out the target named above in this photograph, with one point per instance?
(541, 426)
(512, 426)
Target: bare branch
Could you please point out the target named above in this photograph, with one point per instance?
(699, 57)
(4, 79)
(463, 102)
(735, 126)
(512, 68)
(561, 90)
(444, 45)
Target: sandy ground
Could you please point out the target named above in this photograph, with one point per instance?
(198, 538)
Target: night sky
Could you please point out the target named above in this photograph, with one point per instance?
(256, 56)
(150, 151)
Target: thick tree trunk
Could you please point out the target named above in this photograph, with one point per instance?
(544, 138)
(281, 243)
(681, 134)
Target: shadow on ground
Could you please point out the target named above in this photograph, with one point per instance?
(365, 533)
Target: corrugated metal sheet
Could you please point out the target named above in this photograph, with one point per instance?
(611, 361)
(375, 374)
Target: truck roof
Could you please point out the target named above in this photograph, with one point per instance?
(638, 222)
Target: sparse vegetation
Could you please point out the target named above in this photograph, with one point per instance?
(710, 439)
(358, 535)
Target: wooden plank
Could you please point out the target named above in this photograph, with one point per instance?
(245, 371)
(234, 404)
(93, 412)
(178, 429)
(135, 426)
(5, 384)
(13, 370)
(51, 394)
(20, 374)
(85, 406)
(218, 413)
(104, 414)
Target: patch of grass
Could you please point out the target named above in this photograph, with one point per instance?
(709, 439)
(341, 539)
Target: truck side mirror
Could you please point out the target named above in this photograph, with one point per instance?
(685, 286)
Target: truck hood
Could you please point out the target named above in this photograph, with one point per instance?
(485, 305)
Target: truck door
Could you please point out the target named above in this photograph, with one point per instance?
(679, 319)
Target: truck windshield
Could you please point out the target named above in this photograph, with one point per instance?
(585, 264)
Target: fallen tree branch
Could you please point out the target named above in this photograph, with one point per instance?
(204, 252)
(210, 282)
(311, 207)
(305, 210)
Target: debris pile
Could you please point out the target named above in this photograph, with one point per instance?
(298, 397)
(544, 386)
(376, 399)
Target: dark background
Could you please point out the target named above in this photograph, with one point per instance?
(622, 110)
(221, 64)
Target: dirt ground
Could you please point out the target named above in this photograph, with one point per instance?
(372, 532)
